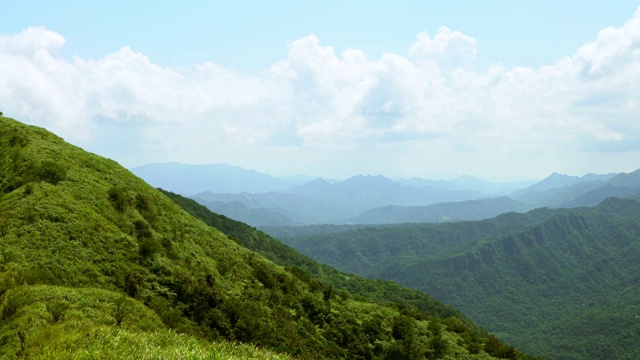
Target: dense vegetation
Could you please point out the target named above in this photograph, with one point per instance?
(370, 289)
(561, 284)
(365, 250)
(88, 248)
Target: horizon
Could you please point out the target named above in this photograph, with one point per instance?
(334, 89)
(314, 177)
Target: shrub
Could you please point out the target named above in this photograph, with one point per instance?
(119, 198)
(51, 172)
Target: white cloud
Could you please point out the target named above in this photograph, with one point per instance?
(448, 49)
(430, 108)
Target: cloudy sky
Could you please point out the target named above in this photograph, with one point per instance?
(436, 89)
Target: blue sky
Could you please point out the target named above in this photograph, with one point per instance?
(434, 89)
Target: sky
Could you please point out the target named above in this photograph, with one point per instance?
(498, 89)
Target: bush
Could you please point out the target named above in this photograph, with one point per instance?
(119, 198)
(51, 172)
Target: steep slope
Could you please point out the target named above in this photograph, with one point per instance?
(562, 286)
(76, 220)
(441, 212)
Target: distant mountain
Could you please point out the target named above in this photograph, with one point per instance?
(555, 181)
(221, 178)
(441, 212)
(322, 202)
(560, 283)
(588, 190)
(365, 192)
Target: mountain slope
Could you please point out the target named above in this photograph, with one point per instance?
(377, 290)
(571, 274)
(366, 250)
(71, 220)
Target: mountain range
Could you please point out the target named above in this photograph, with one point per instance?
(262, 200)
(558, 283)
(95, 263)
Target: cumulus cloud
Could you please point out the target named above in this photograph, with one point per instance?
(448, 49)
(315, 101)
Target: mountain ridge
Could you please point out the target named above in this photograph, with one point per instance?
(546, 271)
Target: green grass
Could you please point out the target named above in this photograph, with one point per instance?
(52, 322)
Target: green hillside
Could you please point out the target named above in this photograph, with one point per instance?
(372, 289)
(95, 263)
(562, 284)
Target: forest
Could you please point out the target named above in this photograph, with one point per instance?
(557, 283)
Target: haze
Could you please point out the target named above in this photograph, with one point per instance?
(334, 88)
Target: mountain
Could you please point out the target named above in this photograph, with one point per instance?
(365, 192)
(95, 263)
(559, 283)
(221, 178)
(322, 202)
(556, 180)
(588, 190)
(490, 188)
(441, 212)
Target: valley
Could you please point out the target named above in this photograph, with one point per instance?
(557, 257)
(94, 261)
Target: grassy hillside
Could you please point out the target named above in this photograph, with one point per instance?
(561, 284)
(53, 322)
(77, 229)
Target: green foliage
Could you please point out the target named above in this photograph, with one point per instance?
(64, 323)
(310, 271)
(97, 264)
(51, 172)
(557, 283)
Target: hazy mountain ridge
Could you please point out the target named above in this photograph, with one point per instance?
(321, 202)
(74, 220)
(571, 191)
(441, 212)
(317, 201)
